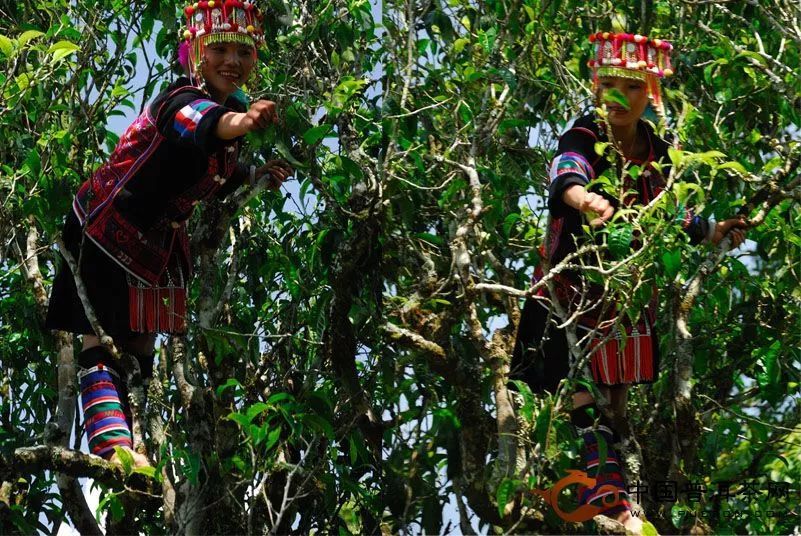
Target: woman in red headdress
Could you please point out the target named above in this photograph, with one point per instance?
(127, 228)
(628, 67)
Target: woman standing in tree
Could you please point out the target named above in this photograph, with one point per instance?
(626, 73)
(127, 229)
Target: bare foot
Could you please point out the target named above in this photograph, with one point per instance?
(632, 523)
(140, 460)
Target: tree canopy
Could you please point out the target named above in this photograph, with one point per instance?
(346, 366)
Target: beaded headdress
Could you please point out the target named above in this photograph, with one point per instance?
(631, 56)
(219, 21)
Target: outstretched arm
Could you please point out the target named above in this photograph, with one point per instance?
(233, 125)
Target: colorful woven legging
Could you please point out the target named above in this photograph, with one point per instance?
(103, 415)
(605, 474)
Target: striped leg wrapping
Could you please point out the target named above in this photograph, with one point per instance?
(605, 474)
(103, 414)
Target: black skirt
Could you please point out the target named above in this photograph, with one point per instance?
(541, 357)
(106, 286)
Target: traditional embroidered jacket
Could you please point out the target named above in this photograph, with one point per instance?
(135, 206)
(576, 162)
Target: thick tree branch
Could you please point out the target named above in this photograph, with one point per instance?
(190, 515)
(28, 460)
(30, 266)
(157, 435)
(416, 341)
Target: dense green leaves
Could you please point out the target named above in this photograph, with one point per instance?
(357, 359)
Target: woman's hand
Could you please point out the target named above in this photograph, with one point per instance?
(597, 204)
(261, 115)
(578, 197)
(275, 172)
(733, 226)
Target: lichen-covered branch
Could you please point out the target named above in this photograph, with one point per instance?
(27, 460)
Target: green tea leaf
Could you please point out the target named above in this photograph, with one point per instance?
(28, 36)
(256, 409)
(600, 147)
(614, 96)
(272, 438)
(6, 45)
(62, 49)
(543, 424)
(671, 260)
(620, 240)
(459, 44)
(126, 459)
(146, 470)
(230, 383)
(286, 154)
(504, 493)
(734, 166)
(315, 134)
(676, 156)
(111, 502)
